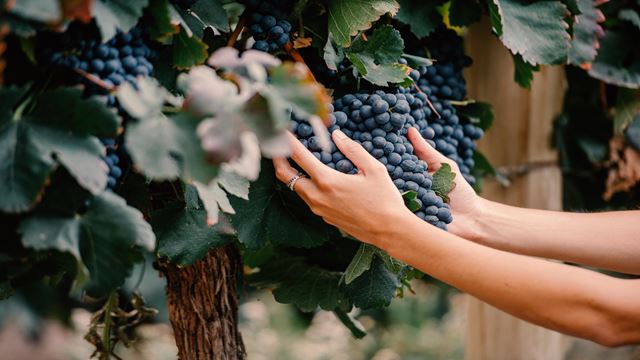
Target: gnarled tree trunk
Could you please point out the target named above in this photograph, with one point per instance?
(203, 306)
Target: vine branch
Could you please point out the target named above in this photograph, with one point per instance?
(238, 29)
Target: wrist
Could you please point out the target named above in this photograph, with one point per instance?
(391, 229)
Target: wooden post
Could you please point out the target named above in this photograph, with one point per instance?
(521, 135)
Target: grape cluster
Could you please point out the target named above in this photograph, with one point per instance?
(444, 79)
(379, 122)
(112, 159)
(444, 82)
(268, 24)
(120, 59)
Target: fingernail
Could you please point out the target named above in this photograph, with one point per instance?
(339, 135)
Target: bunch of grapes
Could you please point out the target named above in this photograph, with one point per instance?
(379, 122)
(444, 82)
(444, 78)
(268, 24)
(120, 59)
(112, 159)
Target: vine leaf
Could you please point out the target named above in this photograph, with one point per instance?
(182, 231)
(188, 50)
(57, 131)
(307, 287)
(626, 109)
(114, 15)
(410, 201)
(376, 59)
(443, 182)
(161, 25)
(631, 16)
(374, 288)
(478, 113)
(211, 14)
(523, 74)
(586, 34)
(347, 17)
(360, 263)
(276, 216)
(45, 11)
(617, 63)
(103, 238)
(422, 17)
(535, 30)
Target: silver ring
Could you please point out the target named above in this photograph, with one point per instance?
(292, 182)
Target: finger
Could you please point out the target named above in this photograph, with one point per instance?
(425, 151)
(303, 157)
(285, 172)
(354, 152)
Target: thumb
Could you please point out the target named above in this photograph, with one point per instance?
(353, 151)
(425, 151)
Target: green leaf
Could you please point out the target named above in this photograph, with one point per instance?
(307, 287)
(382, 75)
(417, 61)
(443, 181)
(618, 62)
(422, 17)
(535, 30)
(30, 151)
(211, 13)
(410, 202)
(160, 26)
(188, 51)
(627, 107)
(106, 238)
(377, 58)
(113, 15)
(168, 147)
(182, 231)
(46, 11)
(586, 34)
(478, 113)
(68, 110)
(360, 263)
(631, 16)
(373, 289)
(356, 328)
(523, 74)
(348, 17)
(275, 214)
(482, 165)
(464, 12)
(332, 53)
(385, 45)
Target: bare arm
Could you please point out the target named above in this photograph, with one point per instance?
(608, 240)
(561, 297)
(564, 298)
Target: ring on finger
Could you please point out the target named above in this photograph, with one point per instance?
(291, 184)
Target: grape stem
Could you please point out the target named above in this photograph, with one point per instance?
(106, 333)
(94, 79)
(238, 29)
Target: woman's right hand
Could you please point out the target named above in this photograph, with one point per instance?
(466, 205)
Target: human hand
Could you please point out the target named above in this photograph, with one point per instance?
(466, 205)
(365, 205)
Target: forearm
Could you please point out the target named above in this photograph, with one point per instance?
(608, 240)
(564, 298)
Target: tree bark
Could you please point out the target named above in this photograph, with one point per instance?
(203, 306)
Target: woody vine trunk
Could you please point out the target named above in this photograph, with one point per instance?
(203, 306)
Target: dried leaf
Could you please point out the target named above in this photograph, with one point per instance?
(624, 171)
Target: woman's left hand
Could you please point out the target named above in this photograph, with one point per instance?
(364, 205)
